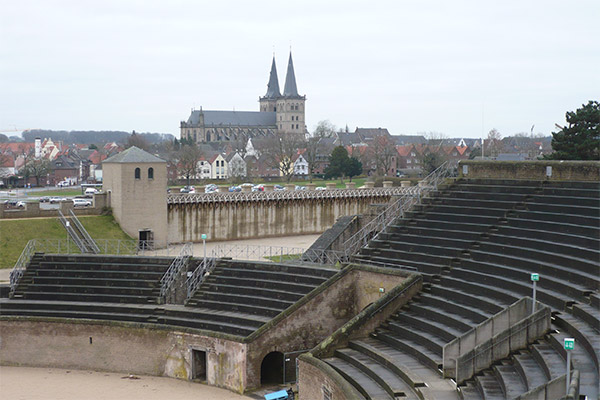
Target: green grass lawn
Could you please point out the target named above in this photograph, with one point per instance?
(14, 234)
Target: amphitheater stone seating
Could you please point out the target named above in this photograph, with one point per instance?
(236, 298)
(93, 278)
(254, 292)
(477, 241)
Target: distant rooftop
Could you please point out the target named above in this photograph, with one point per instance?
(235, 118)
(133, 155)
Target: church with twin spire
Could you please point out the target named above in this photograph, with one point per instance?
(279, 113)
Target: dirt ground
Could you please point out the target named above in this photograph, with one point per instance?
(24, 383)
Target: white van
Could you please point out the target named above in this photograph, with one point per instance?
(82, 203)
(91, 191)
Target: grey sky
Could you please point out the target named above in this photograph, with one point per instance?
(410, 66)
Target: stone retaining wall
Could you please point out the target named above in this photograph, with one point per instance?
(531, 170)
(33, 210)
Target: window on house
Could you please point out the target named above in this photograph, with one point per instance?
(137, 173)
(150, 173)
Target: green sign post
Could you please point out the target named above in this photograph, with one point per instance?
(569, 346)
(534, 278)
(204, 246)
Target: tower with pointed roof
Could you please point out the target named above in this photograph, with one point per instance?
(290, 105)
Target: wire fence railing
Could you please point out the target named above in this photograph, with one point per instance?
(175, 269)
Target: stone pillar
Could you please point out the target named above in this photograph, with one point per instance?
(388, 184)
(310, 186)
(269, 188)
(330, 186)
(350, 185)
(223, 189)
(369, 185)
(246, 189)
(405, 183)
(290, 187)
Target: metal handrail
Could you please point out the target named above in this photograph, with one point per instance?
(197, 277)
(396, 210)
(175, 268)
(17, 272)
(71, 232)
(91, 244)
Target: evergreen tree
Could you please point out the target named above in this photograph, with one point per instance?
(337, 163)
(353, 167)
(580, 139)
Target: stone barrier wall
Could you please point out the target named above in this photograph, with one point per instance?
(494, 339)
(531, 170)
(128, 348)
(33, 210)
(255, 215)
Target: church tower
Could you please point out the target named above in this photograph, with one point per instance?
(290, 106)
(269, 101)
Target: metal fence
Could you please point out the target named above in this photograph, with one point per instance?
(175, 269)
(254, 252)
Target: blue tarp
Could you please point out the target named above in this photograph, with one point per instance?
(282, 394)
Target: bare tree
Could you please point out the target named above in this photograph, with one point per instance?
(494, 142)
(435, 140)
(240, 145)
(37, 168)
(187, 161)
(138, 141)
(282, 148)
(315, 147)
(324, 129)
(383, 152)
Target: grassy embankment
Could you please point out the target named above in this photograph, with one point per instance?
(14, 234)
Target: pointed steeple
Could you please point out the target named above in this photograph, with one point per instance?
(290, 80)
(273, 85)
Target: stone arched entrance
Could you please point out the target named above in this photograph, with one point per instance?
(271, 369)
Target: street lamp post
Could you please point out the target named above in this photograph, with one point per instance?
(534, 278)
(67, 225)
(569, 346)
(204, 246)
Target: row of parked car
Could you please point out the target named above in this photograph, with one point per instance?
(212, 188)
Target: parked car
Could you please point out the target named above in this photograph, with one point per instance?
(14, 203)
(320, 188)
(187, 189)
(81, 203)
(91, 191)
(258, 188)
(56, 199)
(300, 187)
(63, 184)
(235, 189)
(210, 188)
(44, 199)
(279, 187)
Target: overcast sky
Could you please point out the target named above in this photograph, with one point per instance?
(456, 67)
